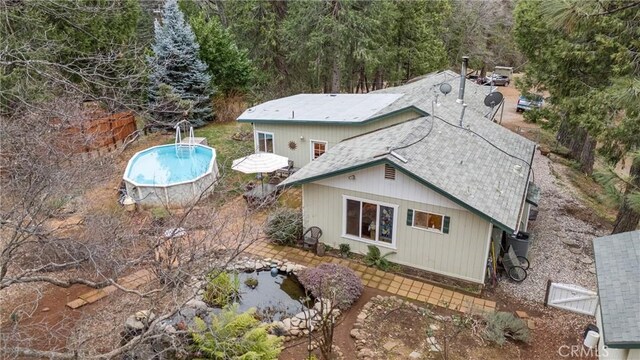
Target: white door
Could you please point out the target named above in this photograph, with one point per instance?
(572, 297)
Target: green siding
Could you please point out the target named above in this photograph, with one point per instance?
(332, 134)
(460, 253)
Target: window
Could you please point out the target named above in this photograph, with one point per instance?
(428, 221)
(389, 172)
(317, 148)
(264, 142)
(370, 221)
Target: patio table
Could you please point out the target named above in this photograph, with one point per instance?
(261, 194)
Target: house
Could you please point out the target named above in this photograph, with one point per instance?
(435, 190)
(303, 127)
(617, 260)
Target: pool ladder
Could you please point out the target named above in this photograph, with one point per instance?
(184, 149)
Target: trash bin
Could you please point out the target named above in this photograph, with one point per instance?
(520, 243)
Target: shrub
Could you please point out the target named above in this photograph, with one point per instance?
(332, 281)
(235, 336)
(284, 226)
(376, 259)
(222, 289)
(345, 250)
(500, 325)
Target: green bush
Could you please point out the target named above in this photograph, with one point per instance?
(376, 259)
(500, 325)
(222, 289)
(284, 226)
(235, 336)
(345, 250)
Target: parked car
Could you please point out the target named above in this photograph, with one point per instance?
(531, 102)
(496, 80)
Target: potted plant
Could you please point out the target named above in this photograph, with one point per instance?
(345, 250)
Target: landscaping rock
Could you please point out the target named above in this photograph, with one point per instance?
(389, 345)
(132, 323)
(295, 322)
(175, 232)
(198, 305)
(415, 355)
(365, 353)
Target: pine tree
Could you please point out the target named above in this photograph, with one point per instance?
(175, 63)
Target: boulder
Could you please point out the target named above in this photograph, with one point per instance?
(198, 305)
(132, 323)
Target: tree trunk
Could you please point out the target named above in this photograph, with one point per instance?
(377, 80)
(564, 132)
(587, 156)
(578, 138)
(335, 75)
(628, 219)
(279, 59)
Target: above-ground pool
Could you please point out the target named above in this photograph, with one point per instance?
(171, 175)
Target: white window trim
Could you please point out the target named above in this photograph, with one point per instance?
(413, 222)
(395, 207)
(257, 140)
(311, 142)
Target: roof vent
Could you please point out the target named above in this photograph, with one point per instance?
(389, 172)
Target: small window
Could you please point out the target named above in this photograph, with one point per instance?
(318, 148)
(389, 172)
(264, 142)
(428, 221)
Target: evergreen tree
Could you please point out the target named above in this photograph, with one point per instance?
(176, 63)
(229, 67)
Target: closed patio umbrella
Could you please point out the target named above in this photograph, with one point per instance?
(260, 163)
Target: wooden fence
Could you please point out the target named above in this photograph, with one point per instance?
(98, 133)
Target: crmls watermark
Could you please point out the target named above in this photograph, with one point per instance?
(580, 351)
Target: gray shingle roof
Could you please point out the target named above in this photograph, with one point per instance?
(346, 108)
(618, 272)
(423, 91)
(452, 160)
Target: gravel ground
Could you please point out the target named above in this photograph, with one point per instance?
(561, 250)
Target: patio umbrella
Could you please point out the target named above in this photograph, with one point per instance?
(260, 163)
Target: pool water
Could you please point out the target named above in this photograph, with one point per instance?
(161, 166)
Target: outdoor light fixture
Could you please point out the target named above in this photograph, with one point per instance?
(352, 177)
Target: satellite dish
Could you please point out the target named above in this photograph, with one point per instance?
(445, 88)
(493, 99)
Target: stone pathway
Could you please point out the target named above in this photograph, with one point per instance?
(378, 279)
(132, 281)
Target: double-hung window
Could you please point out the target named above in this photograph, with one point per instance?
(264, 142)
(370, 221)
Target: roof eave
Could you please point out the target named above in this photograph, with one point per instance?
(414, 177)
(345, 123)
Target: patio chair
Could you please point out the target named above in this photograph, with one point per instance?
(311, 237)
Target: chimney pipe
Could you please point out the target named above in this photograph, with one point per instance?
(463, 75)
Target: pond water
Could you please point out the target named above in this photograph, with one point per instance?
(275, 297)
